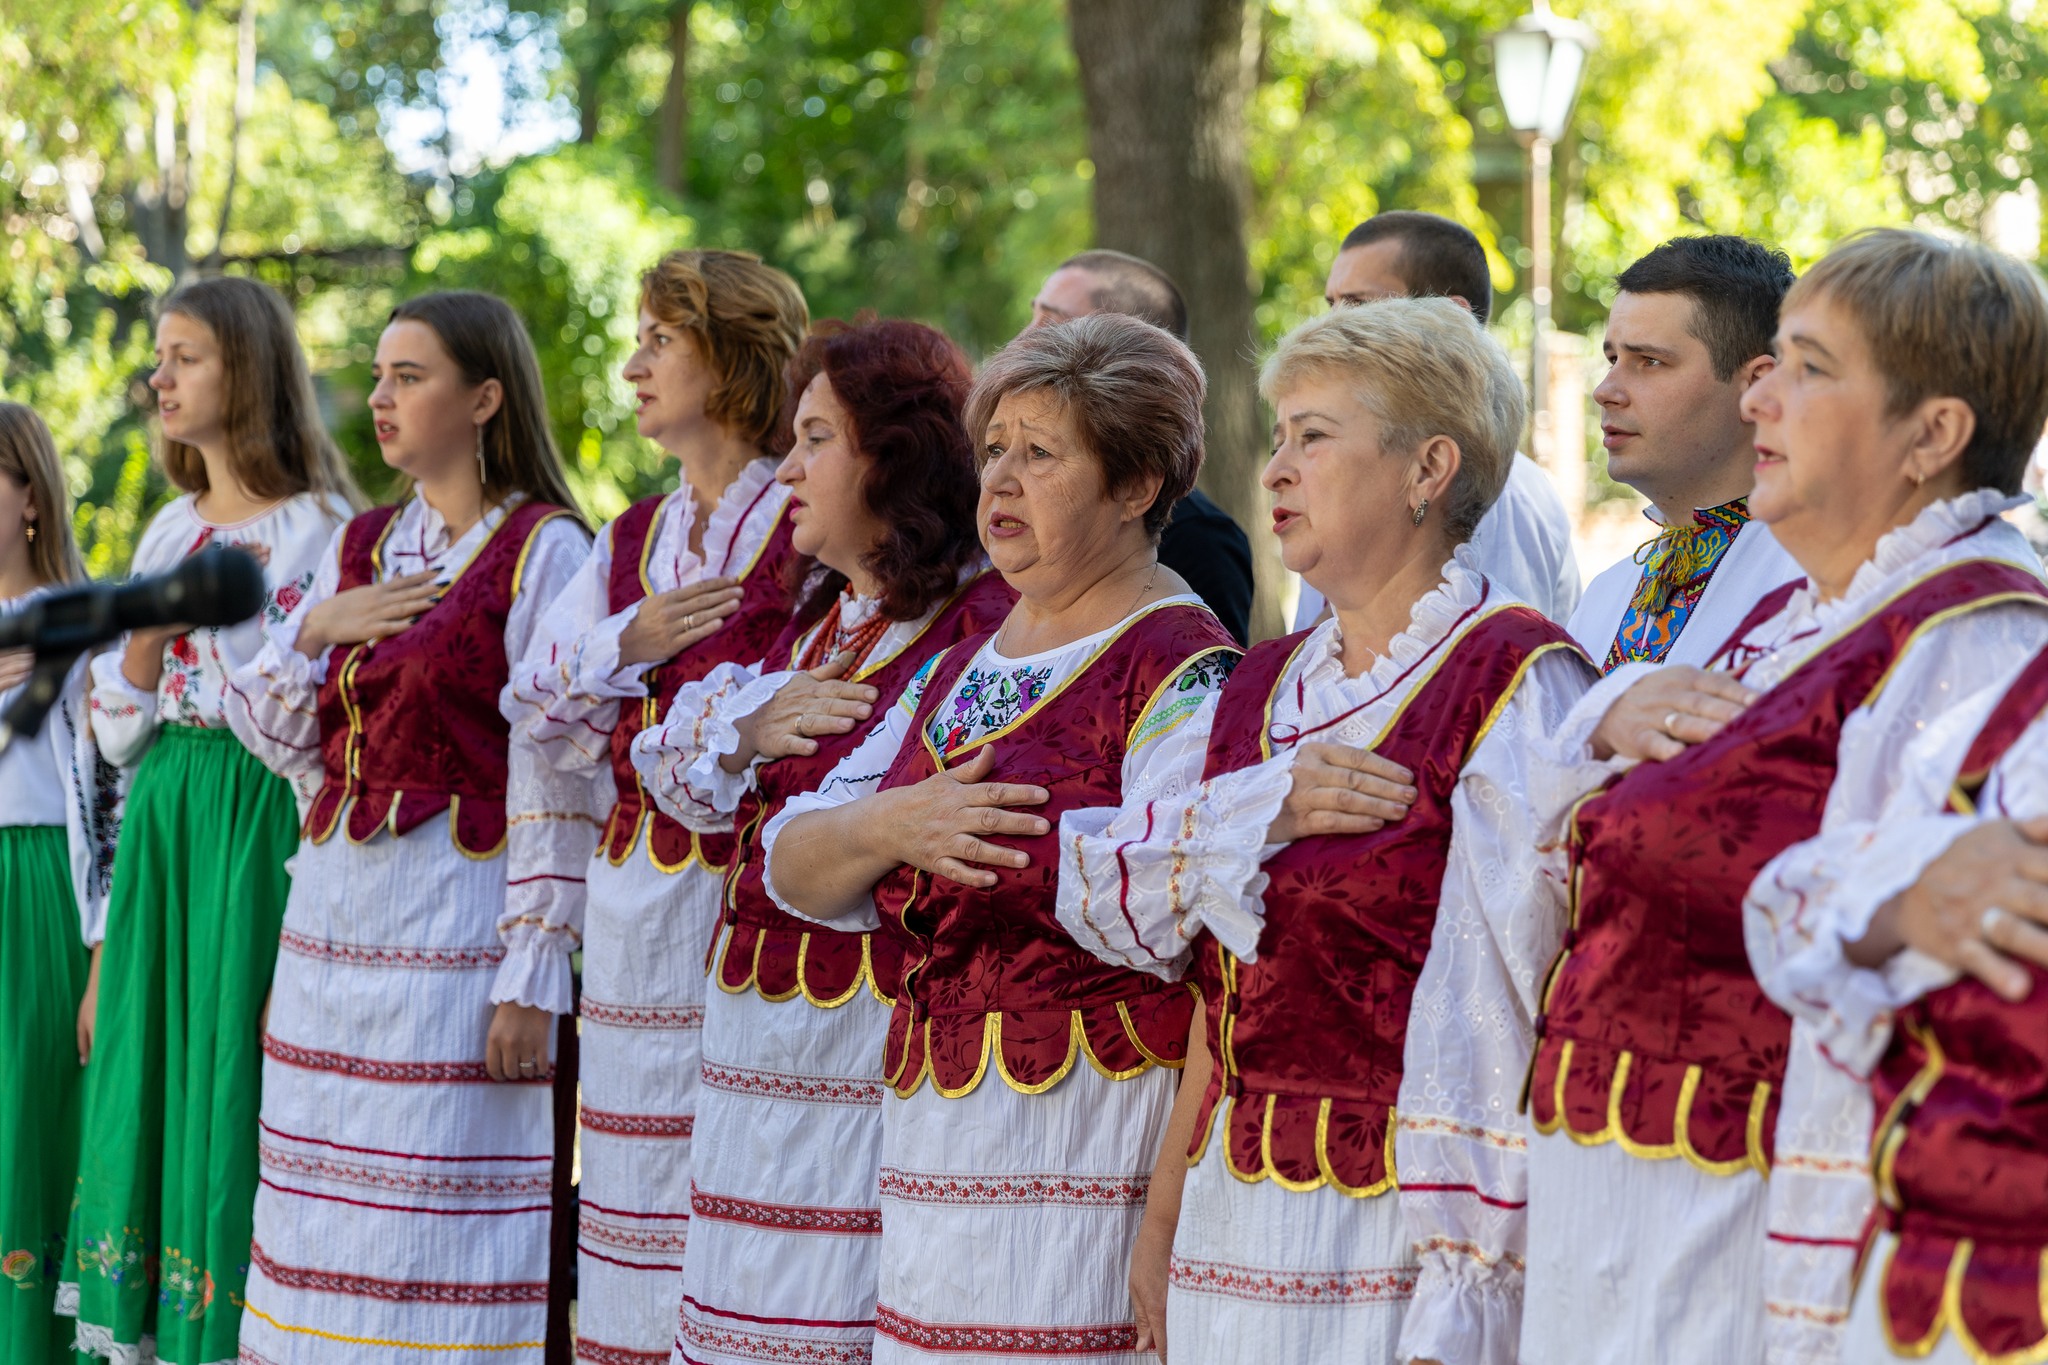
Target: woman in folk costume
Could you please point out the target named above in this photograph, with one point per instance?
(785, 1226)
(57, 828)
(1908, 940)
(406, 1130)
(675, 586)
(1341, 1180)
(1028, 1083)
(1667, 1086)
(159, 1240)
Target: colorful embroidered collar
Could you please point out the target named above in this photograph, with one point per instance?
(1677, 566)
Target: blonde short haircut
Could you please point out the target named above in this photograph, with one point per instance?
(1424, 367)
(747, 319)
(1947, 320)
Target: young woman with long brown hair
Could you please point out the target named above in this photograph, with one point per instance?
(405, 1145)
(159, 1240)
(56, 848)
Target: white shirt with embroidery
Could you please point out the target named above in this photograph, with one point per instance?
(1819, 1191)
(57, 778)
(550, 825)
(293, 534)
(992, 692)
(1183, 854)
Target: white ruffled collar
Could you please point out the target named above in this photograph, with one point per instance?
(423, 532)
(679, 513)
(1905, 550)
(1430, 621)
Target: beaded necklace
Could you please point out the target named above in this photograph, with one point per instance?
(829, 642)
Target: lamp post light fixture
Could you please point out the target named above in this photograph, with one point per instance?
(1538, 62)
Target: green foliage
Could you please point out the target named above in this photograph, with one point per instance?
(925, 158)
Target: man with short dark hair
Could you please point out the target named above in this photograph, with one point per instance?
(1689, 331)
(1524, 543)
(1202, 543)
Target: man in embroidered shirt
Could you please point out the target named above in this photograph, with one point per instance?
(1689, 331)
(1524, 542)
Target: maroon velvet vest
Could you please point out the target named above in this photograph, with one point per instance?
(766, 949)
(1961, 1152)
(992, 973)
(409, 726)
(1654, 1032)
(1308, 1040)
(764, 606)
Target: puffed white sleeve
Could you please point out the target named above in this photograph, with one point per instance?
(570, 727)
(124, 716)
(1568, 772)
(678, 760)
(857, 775)
(1471, 1027)
(552, 812)
(1895, 761)
(272, 701)
(1139, 881)
(92, 809)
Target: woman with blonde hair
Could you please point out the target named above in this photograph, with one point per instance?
(57, 826)
(159, 1241)
(406, 1127)
(676, 585)
(1339, 854)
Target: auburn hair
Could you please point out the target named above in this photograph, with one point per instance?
(747, 320)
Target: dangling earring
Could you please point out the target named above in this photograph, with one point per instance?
(31, 533)
(1421, 511)
(483, 475)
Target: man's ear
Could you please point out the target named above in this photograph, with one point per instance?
(1753, 369)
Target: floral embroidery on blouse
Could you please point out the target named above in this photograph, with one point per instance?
(986, 700)
(1677, 567)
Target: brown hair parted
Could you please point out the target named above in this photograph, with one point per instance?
(1439, 258)
(486, 340)
(902, 385)
(1735, 286)
(1133, 392)
(1133, 286)
(275, 443)
(28, 455)
(1424, 367)
(748, 319)
(1947, 320)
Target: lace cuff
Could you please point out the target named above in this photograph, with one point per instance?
(281, 662)
(535, 971)
(1138, 883)
(1813, 900)
(123, 715)
(1467, 1308)
(706, 778)
(595, 671)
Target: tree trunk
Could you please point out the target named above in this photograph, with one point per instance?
(672, 135)
(1166, 83)
(245, 95)
(589, 97)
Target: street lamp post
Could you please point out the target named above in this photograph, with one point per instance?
(1538, 62)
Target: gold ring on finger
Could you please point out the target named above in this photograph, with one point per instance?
(1671, 723)
(1992, 917)
(689, 620)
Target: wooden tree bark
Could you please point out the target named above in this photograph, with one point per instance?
(1165, 83)
(672, 134)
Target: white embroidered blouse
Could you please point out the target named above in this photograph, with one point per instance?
(57, 778)
(550, 829)
(291, 536)
(1819, 1190)
(1183, 854)
(994, 691)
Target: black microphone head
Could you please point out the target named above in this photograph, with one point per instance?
(217, 587)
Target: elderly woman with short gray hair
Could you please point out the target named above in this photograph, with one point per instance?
(1338, 852)
(1027, 1083)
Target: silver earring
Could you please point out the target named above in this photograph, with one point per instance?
(483, 475)
(1421, 511)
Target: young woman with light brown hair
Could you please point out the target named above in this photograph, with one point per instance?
(159, 1240)
(56, 844)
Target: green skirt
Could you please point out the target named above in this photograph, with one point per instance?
(159, 1236)
(42, 976)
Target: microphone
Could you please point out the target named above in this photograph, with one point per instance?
(216, 587)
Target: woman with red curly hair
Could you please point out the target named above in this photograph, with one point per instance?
(882, 491)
